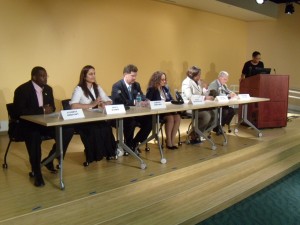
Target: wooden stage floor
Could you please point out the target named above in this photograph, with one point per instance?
(20, 200)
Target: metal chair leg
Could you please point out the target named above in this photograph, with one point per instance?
(5, 156)
(179, 138)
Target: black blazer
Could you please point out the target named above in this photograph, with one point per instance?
(154, 95)
(121, 86)
(26, 101)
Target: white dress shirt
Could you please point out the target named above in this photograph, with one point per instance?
(79, 97)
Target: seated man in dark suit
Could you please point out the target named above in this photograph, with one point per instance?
(32, 98)
(127, 90)
(218, 87)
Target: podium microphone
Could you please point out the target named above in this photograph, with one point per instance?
(124, 100)
(274, 71)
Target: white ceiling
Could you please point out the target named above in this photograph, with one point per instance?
(247, 10)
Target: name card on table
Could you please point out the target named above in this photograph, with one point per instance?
(221, 98)
(244, 97)
(158, 104)
(114, 109)
(72, 114)
(197, 99)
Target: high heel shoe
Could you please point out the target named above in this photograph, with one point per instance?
(49, 166)
(171, 147)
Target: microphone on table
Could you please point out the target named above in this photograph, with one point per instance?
(124, 100)
(179, 99)
(274, 71)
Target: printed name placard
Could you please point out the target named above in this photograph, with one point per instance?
(197, 99)
(114, 109)
(222, 98)
(72, 114)
(244, 97)
(158, 104)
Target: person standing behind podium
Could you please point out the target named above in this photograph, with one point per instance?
(251, 65)
(33, 98)
(157, 90)
(97, 137)
(125, 92)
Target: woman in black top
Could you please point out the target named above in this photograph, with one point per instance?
(157, 90)
(251, 65)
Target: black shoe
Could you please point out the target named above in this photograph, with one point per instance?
(85, 164)
(39, 181)
(31, 174)
(217, 130)
(170, 147)
(110, 157)
(194, 142)
(50, 166)
(133, 147)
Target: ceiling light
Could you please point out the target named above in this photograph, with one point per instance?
(260, 1)
(289, 8)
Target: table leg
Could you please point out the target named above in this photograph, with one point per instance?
(154, 135)
(246, 121)
(220, 125)
(58, 152)
(124, 146)
(200, 133)
(59, 148)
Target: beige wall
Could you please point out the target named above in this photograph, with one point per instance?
(65, 35)
(279, 44)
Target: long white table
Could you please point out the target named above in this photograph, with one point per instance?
(91, 116)
(218, 106)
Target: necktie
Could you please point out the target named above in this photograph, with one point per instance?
(129, 91)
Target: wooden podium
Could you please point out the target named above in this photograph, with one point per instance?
(272, 113)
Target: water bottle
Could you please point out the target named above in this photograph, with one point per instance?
(138, 100)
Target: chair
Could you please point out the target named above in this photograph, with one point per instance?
(14, 131)
(66, 104)
(189, 116)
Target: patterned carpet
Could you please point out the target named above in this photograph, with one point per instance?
(277, 204)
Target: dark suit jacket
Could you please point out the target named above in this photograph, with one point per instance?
(121, 86)
(26, 101)
(154, 95)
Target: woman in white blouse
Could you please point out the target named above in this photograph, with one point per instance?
(97, 137)
(191, 85)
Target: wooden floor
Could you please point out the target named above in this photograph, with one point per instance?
(195, 183)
